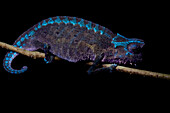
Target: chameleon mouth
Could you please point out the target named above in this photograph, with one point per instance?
(133, 60)
(125, 62)
(128, 62)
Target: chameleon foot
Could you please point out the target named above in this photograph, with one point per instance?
(108, 69)
(96, 62)
(48, 56)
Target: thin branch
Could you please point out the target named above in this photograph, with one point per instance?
(32, 54)
(140, 72)
(35, 55)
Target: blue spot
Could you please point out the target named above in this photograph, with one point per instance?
(89, 25)
(50, 21)
(15, 72)
(74, 21)
(6, 62)
(39, 26)
(9, 55)
(44, 23)
(22, 39)
(7, 58)
(128, 53)
(66, 20)
(96, 29)
(46, 60)
(24, 45)
(81, 23)
(125, 49)
(26, 36)
(6, 65)
(15, 45)
(18, 43)
(58, 20)
(31, 33)
(102, 31)
(9, 69)
(120, 56)
(35, 28)
(14, 53)
(45, 45)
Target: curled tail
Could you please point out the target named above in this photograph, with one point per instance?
(12, 55)
(23, 43)
(7, 63)
(28, 41)
(29, 45)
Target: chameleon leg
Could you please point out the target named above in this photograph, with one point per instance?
(109, 69)
(96, 62)
(48, 56)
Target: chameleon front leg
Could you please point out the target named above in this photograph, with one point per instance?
(98, 61)
(48, 55)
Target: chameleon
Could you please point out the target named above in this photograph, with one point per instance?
(76, 39)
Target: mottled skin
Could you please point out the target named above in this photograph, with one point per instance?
(74, 41)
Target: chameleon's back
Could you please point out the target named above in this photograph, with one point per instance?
(77, 41)
(70, 38)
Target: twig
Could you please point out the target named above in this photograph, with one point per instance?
(35, 55)
(140, 72)
(32, 54)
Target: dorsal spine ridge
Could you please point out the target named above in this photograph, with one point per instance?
(72, 20)
(66, 20)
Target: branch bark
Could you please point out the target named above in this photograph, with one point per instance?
(35, 55)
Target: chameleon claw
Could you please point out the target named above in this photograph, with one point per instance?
(47, 62)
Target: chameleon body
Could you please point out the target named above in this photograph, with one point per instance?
(75, 39)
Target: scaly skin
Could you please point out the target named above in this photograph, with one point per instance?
(75, 39)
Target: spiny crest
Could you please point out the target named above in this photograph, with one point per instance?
(74, 21)
(66, 20)
(120, 40)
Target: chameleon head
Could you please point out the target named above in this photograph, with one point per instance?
(125, 50)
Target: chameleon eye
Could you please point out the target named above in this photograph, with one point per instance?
(134, 48)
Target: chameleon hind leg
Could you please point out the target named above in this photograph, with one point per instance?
(96, 62)
(48, 55)
(108, 69)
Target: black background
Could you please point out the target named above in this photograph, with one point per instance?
(62, 84)
(133, 24)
